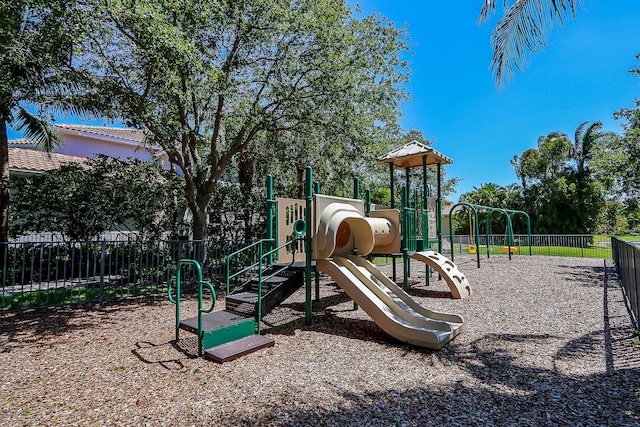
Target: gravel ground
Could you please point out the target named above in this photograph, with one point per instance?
(547, 341)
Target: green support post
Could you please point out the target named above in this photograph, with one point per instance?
(405, 238)
(509, 235)
(486, 231)
(316, 275)
(367, 203)
(407, 179)
(439, 208)
(270, 214)
(308, 195)
(407, 204)
(425, 218)
(392, 205)
(356, 195)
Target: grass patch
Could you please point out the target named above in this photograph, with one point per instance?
(591, 251)
(630, 238)
(62, 296)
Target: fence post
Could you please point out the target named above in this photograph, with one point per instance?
(102, 257)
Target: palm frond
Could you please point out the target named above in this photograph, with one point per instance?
(523, 31)
(489, 8)
(38, 128)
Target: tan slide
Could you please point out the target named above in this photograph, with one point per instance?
(457, 281)
(389, 306)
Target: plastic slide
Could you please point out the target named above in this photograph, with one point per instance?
(388, 305)
(457, 281)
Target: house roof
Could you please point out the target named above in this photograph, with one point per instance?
(23, 142)
(410, 156)
(128, 134)
(27, 160)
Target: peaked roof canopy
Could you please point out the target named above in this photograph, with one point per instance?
(410, 156)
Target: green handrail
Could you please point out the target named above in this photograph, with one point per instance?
(262, 279)
(176, 301)
(258, 244)
(262, 255)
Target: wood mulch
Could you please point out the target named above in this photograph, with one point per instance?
(547, 342)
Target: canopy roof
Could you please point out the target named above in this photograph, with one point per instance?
(410, 156)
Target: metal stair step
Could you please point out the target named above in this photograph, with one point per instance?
(269, 284)
(213, 321)
(234, 349)
(242, 303)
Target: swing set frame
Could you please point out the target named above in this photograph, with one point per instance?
(474, 209)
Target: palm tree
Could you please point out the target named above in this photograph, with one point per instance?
(34, 43)
(522, 31)
(585, 139)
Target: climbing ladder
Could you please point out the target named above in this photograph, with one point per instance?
(227, 334)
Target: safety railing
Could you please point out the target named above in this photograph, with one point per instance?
(410, 239)
(177, 279)
(47, 274)
(578, 245)
(626, 255)
(263, 259)
(250, 256)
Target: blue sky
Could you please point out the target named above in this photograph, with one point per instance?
(582, 75)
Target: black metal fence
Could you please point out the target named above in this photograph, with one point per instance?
(579, 245)
(52, 273)
(627, 258)
(45, 274)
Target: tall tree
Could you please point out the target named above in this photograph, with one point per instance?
(36, 40)
(628, 153)
(522, 31)
(586, 137)
(560, 191)
(206, 78)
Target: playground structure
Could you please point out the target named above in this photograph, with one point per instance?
(509, 214)
(336, 236)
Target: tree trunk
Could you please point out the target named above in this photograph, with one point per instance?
(245, 177)
(4, 181)
(199, 224)
(4, 188)
(200, 234)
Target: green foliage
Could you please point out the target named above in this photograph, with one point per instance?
(82, 201)
(630, 148)
(236, 215)
(523, 31)
(613, 221)
(496, 196)
(303, 81)
(560, 191)
(567, 187)
(36, 42)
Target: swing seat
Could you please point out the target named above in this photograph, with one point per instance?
(472, 249)
(505, 249)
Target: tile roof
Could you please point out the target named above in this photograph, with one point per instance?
(22, 141)
(128, 134)
(24, 159)
(410, 156)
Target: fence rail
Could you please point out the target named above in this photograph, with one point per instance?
(580, 245)
(45, 274)
(51, 273)
(627, 258)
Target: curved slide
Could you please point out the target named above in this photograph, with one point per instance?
(388, 305)
(457, 281)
